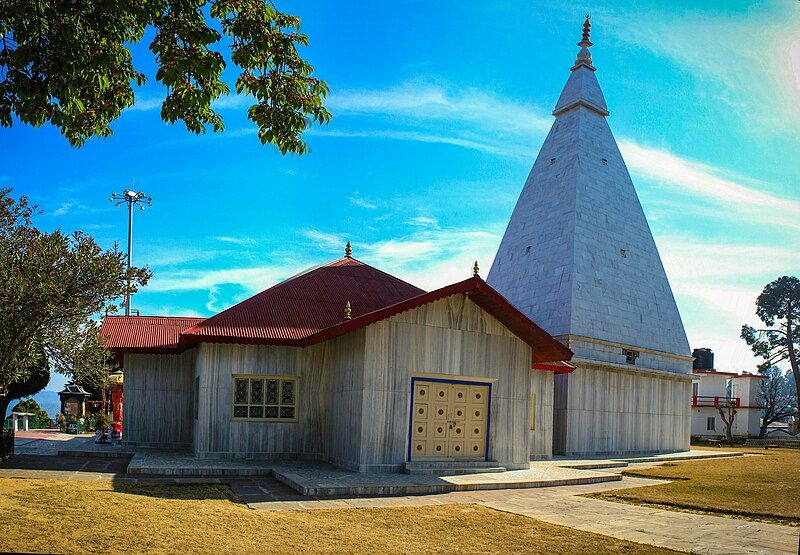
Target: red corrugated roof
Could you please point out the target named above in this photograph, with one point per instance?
(558, 367)
(546, 348)
(144, 334)
(310, 308)
(293, 310)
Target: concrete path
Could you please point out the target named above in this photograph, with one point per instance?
(695, 533)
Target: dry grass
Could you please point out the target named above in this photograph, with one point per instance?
(764, 487)
(61, 516)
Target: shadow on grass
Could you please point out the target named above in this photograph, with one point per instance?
(179, 492)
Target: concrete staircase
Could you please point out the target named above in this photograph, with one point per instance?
(451, 468)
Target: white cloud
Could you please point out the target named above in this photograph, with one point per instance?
(423, 221)
(430, 102)
(357, 200)
(243, 241)
(706, 181)
(63, 209)
(716, 285)
(746, 60)
(325, 240)
(252, 279)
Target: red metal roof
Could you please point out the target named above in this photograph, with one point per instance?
(558, 367)
(293, 310)
(144, 334)
(546, 348)
(309, 308)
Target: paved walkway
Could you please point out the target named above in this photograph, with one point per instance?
(695, 533)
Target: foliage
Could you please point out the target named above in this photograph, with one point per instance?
(51, 284)
(29, 381)
(70, 64)
(778, 306)
(40, 416)
(779, 397)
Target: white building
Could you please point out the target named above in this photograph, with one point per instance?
(711, 389)
(578, 258)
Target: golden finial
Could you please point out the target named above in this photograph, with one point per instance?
(587, 29)
(348, 250)
(348, 313)
(475, 269)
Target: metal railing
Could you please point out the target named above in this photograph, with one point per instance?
(714, 401)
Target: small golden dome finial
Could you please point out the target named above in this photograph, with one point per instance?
(348, 313)
(475, 269)
(348, 250)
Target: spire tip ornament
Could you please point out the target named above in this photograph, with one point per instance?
(348, 250)
(475, 270)
(348, 313)
(584, 57)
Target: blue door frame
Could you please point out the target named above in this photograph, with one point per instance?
(461, 382)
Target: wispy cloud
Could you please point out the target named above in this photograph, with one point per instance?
(243, 241)
(63, 209)
(360, 201)
(706, 181)
(486, 129)
(748, 60)
(325, 240)
(432, 102)
(423, 221)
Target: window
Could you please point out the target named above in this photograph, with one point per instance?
(266, 398)
(630, 355)
(533, 411)
(711, 424)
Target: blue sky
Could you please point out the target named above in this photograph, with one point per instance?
(439, 111)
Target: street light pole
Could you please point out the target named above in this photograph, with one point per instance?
(141, 200)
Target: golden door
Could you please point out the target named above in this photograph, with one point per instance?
(450, 420)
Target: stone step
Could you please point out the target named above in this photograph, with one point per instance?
(455, 471)
(451, 468)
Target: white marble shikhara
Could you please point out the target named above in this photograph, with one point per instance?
(579, 259)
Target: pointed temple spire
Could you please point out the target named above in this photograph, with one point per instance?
(584, 57)
(476, 271)
(348, 312)
(348, 250)
(582, 88)
(594, 270)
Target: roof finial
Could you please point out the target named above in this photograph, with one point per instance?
(348, 313)
(584, 57)
(348, 250)
(475, 269)
(587, 29)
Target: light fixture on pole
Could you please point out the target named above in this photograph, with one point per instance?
(130, 198)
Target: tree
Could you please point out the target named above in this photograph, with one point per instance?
(86, 359)
(51, 284)
(30, 405)
(30, 381)
(778, 306)
(70, 64)
(778, 397)
(727, 412)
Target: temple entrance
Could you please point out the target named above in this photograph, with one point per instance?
(450, 419)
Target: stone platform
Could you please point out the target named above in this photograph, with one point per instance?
(315, 479)
(320, 480)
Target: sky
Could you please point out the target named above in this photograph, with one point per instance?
(440, 109)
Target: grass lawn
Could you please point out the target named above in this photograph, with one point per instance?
(71, 516)
(764, 487)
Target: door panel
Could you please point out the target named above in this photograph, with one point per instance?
(449, 420)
